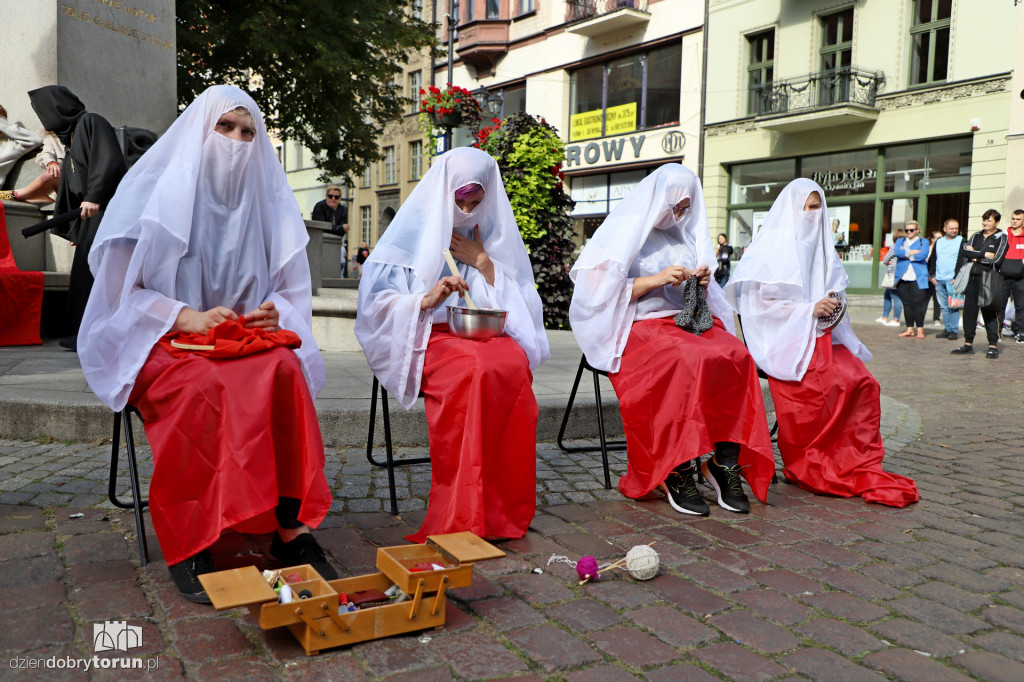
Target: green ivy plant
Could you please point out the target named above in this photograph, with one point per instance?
(530, 154)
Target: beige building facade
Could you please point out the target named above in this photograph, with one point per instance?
(900, 109)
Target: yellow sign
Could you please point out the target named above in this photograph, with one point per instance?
(585, 125)
(620, 119)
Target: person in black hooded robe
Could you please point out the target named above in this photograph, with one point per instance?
(93, 167)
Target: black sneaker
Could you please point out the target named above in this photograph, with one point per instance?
(69, 342)
(952, 336)
(942, 335)
(304, 549)
(682, 492)
(1019, 338)
(186, 576)
(992, 353)
(963, 350)
(728, 483)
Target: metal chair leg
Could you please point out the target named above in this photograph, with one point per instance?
(568, 410)
(600, 431)
(390, 463)
(137, 504)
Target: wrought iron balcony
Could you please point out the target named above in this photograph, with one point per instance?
(595, 17)
(817, 100)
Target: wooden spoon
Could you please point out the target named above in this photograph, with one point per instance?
(455, 271)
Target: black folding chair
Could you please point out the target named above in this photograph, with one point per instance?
(606, 445)
(137, 504)
(390, 462)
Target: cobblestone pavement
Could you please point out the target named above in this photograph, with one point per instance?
(805, 587)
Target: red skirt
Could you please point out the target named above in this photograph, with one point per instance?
(229, 437)
(482, 416)
(21, 297)
(829, 434)
(679, 394)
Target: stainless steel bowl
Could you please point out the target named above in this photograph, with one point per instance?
(476, 323)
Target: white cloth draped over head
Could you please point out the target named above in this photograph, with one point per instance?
(201, 220)
(789, 266)
(639, 238)
(408, 260)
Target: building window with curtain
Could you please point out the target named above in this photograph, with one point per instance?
(389, 166)
(836, 57)
(634, 92)
(929, 41)
(415, 85)
(365, 223)
(526, 6)
(760, 72)
(415, 160)
(493, 9)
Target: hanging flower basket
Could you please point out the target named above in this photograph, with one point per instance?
(452, 107)
(448, 120)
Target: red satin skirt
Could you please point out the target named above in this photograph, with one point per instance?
(229, 437)
(679, 394)
(21, 297)
(829, 434)
(482, 416)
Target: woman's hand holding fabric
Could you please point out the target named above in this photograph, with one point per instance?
(825, 306)
(265, 317)
(444, 288)
(673, 275)
(471, 252)
(196, 322)
(703, 274)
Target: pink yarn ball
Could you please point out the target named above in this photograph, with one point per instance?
(586, 567)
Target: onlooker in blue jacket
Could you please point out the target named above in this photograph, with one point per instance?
(912, 277)
(942, 269)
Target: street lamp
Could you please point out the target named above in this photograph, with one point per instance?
(489, 101)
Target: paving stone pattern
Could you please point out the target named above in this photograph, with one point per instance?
(806, 587)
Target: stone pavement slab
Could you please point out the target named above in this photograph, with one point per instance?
(808, 587)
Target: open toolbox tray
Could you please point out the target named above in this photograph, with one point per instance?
(316, 621)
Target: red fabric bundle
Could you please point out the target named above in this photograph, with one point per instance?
(21, 297)
(230, 339)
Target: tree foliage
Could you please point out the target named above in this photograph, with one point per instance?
(322, 71)
(530, 154)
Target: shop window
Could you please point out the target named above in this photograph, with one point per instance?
(760, 72)
(844, 173)
(836, 57)
(415, 160)
(365, 223)
(599, 194)
(389, 166)
(929, 41)
(763, 181)
(940, 165)
(634, 92)
(513, 101)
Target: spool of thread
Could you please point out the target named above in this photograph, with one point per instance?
(642, 562)
(286, 595)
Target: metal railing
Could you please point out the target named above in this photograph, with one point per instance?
(816, 91)
(580, 10)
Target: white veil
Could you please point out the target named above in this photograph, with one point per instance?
(407, 261)
(789, 266)
(639, 238)
(200, 221)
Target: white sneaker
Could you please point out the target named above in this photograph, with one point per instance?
(892, 323)
(938, 324)
(881, 320)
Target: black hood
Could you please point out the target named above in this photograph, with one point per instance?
(58, 109)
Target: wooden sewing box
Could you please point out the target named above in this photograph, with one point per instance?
(316, 622)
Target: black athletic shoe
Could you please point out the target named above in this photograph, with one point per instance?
(682, 492)
(942, 335)
(728, 483)
(992, 353)
(186, 576)
(70, 342)
(952, 336)
(963, 350)
(1019, 338)
(304, 549)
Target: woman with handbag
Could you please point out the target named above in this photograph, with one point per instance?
(826, 401)
(983, 254)
(912, 277)
(645, 310)
(890, 299)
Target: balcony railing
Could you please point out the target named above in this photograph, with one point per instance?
(816, 91)
(581, 10)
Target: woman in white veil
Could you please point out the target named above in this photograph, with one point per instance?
(826, 402)
(481, 410)
(681, 395)
(204, 240)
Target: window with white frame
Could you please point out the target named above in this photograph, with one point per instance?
(929, 41)
(365, 223)
(389, 166)
(526, 6)
(367, 177)
(415, 85)
(760, 71)
(416, 160)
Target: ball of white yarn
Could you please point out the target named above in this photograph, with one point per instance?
(642, 562)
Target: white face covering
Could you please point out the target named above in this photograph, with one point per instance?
(222, 168)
